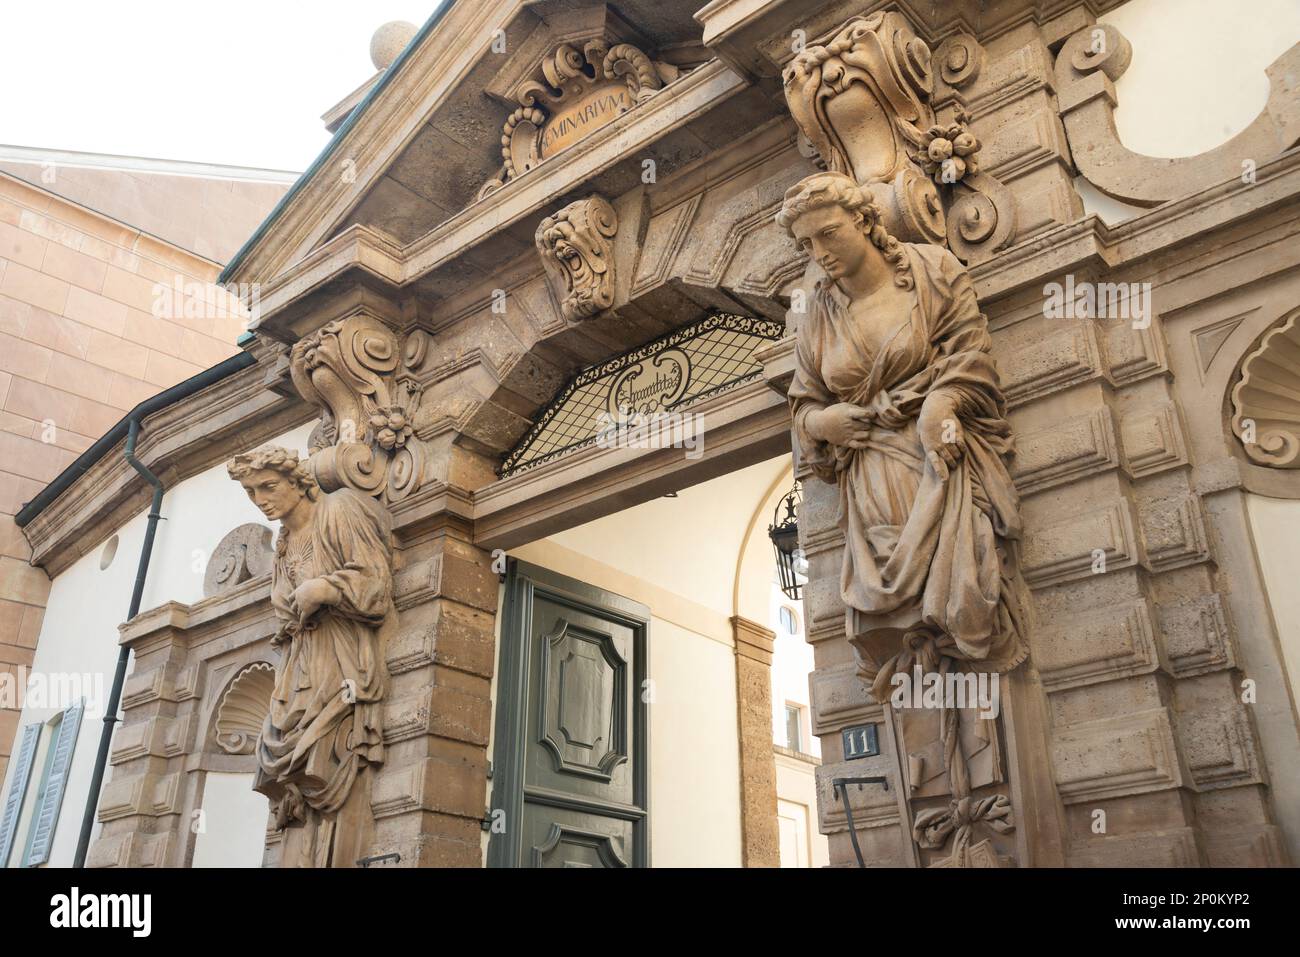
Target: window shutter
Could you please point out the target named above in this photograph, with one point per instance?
(17, 788)
(47, 811)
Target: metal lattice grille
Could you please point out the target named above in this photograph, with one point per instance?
(714, 354)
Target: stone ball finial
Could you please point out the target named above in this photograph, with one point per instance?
(390, 40)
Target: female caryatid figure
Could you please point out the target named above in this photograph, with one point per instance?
(896, 399)
(331, 589)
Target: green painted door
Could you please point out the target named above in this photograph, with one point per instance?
(570, 759)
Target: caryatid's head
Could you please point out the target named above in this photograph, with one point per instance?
(837, 223)
(275, 480)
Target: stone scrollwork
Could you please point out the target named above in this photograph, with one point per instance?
(244, 553)
(863, 102)
(361, 377)
(576, 245)
(1266, 400)
(863, 97)
(574, 91)
(960, 58)
(1086, 68)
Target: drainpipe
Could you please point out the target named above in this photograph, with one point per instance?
(124, 652)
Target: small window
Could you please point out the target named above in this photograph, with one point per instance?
(789, 620)
(794, 727)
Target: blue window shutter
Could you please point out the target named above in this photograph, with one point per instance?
(17, 788)
(46, 814)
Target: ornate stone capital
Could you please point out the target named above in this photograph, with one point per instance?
(864, 101)
(359, 373)
(862, 96)
(577, 245)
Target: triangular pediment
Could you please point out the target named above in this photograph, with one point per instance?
(426, 143)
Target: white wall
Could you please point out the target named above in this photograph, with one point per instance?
(86, 604)
(233, 823)
(792, 662)
(1205, 57)
(1276, 527)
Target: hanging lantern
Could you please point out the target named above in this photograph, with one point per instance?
(784, 532)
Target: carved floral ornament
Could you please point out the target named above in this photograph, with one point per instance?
(576, 245)
(362, 378)
(862, 100)
(573, 93)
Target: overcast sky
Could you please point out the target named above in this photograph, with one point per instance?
(241, 82)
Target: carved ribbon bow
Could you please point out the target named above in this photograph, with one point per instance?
(931, 828)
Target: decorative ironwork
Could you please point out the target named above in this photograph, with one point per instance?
(670, 373)
(784, 533)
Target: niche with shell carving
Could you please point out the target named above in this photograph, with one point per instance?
(243, 708)
(1266, 398)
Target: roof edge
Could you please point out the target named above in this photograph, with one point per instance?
(407, 52)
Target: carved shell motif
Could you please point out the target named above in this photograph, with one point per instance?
(244, 707)
(1266, 400)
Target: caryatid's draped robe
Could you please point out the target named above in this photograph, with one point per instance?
(324, 725)
(930, 560)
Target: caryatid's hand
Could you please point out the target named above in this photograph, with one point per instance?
(941, 432)
(310, 596)
(843, 424)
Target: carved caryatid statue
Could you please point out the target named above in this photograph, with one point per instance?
(331, 589)
(896, 400)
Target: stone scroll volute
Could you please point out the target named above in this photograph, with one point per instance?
(359, 373)
(862, 98)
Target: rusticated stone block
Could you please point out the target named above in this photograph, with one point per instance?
(1128, 754)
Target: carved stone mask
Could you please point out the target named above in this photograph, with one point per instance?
(576, 245)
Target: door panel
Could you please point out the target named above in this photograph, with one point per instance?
(571, 742)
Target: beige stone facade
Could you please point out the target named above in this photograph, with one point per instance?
(580, 210)
(84, 333)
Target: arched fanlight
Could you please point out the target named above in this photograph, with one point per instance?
(784, 532)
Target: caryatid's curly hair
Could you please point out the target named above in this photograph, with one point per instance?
(277, 460)
(835, 189)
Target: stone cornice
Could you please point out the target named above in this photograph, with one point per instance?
(210, 618)
(185, 438)
(1089, 243)
(754, 35)
(391, 265)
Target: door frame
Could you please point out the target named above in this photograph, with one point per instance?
(522, 583)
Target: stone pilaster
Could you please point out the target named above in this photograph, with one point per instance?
(760, 841)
